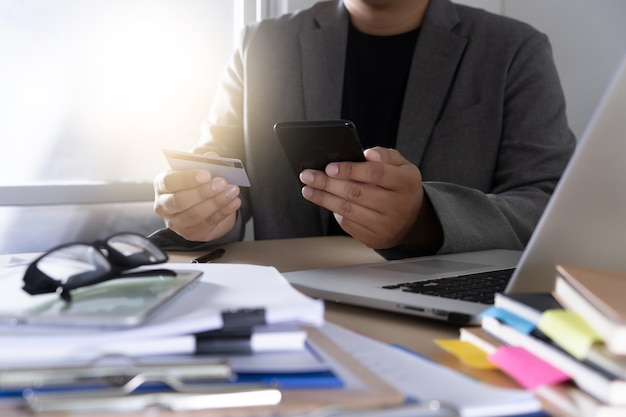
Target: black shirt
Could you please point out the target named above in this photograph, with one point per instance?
(376, 72)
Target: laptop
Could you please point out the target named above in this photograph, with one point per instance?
(583, 224)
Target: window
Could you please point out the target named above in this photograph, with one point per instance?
(91, 90)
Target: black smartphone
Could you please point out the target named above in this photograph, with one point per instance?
(315, 144)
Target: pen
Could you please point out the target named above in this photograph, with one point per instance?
(209, 257)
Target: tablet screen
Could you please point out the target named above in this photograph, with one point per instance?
(122, 302)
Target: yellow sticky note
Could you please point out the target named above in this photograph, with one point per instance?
(466, 352)
(569, 331)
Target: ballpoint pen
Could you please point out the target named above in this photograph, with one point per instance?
(209, 257)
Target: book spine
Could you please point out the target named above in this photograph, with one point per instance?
(572, 300)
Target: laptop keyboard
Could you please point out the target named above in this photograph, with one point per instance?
(478, 287)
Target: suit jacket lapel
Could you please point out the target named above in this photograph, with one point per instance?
(437, 55)
(323, 49)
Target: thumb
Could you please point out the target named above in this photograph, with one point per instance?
(385, 155)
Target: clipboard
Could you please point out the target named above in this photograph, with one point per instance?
(377, 393)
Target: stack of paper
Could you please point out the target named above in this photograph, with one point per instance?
(230, 304)
(337, 371)
(246, 314)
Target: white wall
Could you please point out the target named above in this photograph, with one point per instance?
(589, 42)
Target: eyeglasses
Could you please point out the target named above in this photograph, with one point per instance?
(76, 265)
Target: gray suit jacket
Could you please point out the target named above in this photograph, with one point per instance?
(483, 119)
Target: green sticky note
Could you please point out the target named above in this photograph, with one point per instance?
(570, 331)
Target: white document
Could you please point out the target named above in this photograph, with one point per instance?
(426, 381)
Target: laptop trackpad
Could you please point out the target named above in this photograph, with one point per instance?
(430, 266)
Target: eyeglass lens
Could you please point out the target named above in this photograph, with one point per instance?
(73, 260)
(136, 247)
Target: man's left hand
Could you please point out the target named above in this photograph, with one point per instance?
(377, 201)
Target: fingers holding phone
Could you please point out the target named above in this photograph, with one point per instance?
(377, 201)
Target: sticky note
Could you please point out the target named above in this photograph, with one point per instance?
(570, 331)
(467, 353)
(525, 368)
(518, 323)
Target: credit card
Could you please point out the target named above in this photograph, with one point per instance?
(230, 169)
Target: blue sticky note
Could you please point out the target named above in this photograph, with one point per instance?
(505, 316)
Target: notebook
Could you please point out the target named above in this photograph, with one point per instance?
(583, 224)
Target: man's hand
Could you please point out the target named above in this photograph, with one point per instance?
(195, 205)
(378, 202)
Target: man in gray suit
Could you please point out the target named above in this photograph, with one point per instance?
(462, 112)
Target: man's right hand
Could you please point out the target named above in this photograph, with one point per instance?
(195, 205)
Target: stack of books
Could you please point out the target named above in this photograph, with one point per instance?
(573, 341)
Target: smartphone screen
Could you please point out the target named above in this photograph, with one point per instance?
(315, 144)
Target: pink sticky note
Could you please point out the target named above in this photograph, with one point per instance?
(527, 369)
